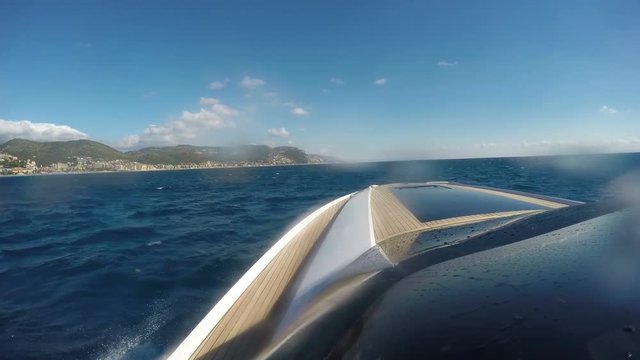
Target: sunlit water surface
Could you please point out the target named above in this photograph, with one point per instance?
(124, 265)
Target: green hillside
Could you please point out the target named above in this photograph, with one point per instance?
(47, 153)
(229, 154)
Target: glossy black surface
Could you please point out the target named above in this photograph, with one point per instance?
(439, 202)
(571, 293)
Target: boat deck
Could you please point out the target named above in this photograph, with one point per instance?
(231, 336)
(237, 326)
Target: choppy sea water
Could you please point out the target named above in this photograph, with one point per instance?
(124, 265)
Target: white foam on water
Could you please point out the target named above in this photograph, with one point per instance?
(135, 343)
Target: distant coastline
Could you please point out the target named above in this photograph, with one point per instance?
(159, 170)
(25, 157)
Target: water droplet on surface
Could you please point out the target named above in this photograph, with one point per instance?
(630, 329)
(446, 348)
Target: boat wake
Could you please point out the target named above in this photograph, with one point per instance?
(136, 343)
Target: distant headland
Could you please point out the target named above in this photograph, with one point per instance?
(19, 156)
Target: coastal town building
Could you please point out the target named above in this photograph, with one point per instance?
(12, 165)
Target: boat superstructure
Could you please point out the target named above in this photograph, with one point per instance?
(337, 248)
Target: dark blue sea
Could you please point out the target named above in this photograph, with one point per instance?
(124, 265)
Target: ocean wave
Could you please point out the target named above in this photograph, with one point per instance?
(101, 266)
(118, 234)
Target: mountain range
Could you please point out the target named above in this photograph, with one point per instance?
(47, 153)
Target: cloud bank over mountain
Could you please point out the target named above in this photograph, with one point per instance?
(25, 129)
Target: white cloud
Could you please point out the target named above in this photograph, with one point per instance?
(209, 101)
(380, 82)
(488, 145)
(298, 111)
(444, 63)
(82, 44)
(336, 81)
(624, 141)
(189, 126)
(129, 142)
(251, 83)
(217, 85)
(26, 129)
(607, 110)
(279, 132)
(217, 117)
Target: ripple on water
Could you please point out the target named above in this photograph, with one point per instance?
(119, 234)
(108, 266)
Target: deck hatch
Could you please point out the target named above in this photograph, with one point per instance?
(437, 202)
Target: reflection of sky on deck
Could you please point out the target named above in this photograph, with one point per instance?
(347, 238)
(438, 202)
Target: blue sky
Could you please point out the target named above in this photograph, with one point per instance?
(363, 80)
